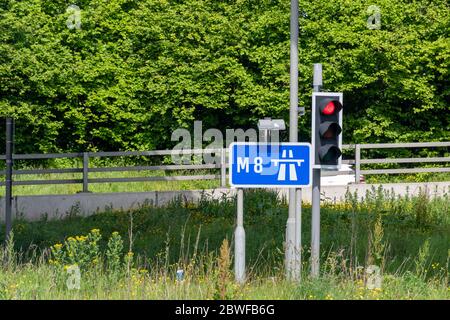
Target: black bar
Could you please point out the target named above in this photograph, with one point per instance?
(155, 178)
(151, 153)
(35, 156)
(153, 168)
(47, 171)
(42, 182)
(8, 180)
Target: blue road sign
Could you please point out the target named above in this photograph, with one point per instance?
(266, 165)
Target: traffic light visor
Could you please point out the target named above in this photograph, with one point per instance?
(329, 129)
(329, 153)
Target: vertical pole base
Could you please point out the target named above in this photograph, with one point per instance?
(315, 225)
(290, 248)
(298, 236)
(239, 254)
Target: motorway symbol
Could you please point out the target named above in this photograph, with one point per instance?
(265, 165)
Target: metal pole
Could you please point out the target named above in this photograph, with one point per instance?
(317, 79)
(291, 243)
(293, 110)
(315, 221)
(298, 235)
(239, 240)
(9, 170)
(315, 224)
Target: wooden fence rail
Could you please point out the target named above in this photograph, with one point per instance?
(222, 165)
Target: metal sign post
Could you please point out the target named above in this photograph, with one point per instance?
(315, 221)
(9, 169)
(293, 241)
(239, 240)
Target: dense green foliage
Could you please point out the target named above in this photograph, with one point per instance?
(136, 70)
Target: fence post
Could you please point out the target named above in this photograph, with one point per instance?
(357, 163)
(85, 172)
(223, 168)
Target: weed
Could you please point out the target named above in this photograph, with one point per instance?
(223, 273)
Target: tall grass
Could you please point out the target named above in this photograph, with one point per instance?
(138, 253)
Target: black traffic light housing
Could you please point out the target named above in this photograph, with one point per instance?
(327, 129)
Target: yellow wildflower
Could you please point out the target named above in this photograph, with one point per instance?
(81, 238)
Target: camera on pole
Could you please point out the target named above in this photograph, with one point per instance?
(327, 130)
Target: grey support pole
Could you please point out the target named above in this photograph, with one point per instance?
(9, 170)
(298, 235)
(315, 221)
(291, 243)
(315, 224)
(317, 78)
(239, 240)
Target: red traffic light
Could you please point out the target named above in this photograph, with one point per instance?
(331, 107)
(327, 129)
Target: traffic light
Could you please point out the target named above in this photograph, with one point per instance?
(327, 129)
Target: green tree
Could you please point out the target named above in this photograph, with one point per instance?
(136, 70)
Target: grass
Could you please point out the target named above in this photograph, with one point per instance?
(135, 255)
(40, 283)
(404, 178)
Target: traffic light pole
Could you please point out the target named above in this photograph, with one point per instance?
(8, 180)
(293, 241)
(315, 221)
